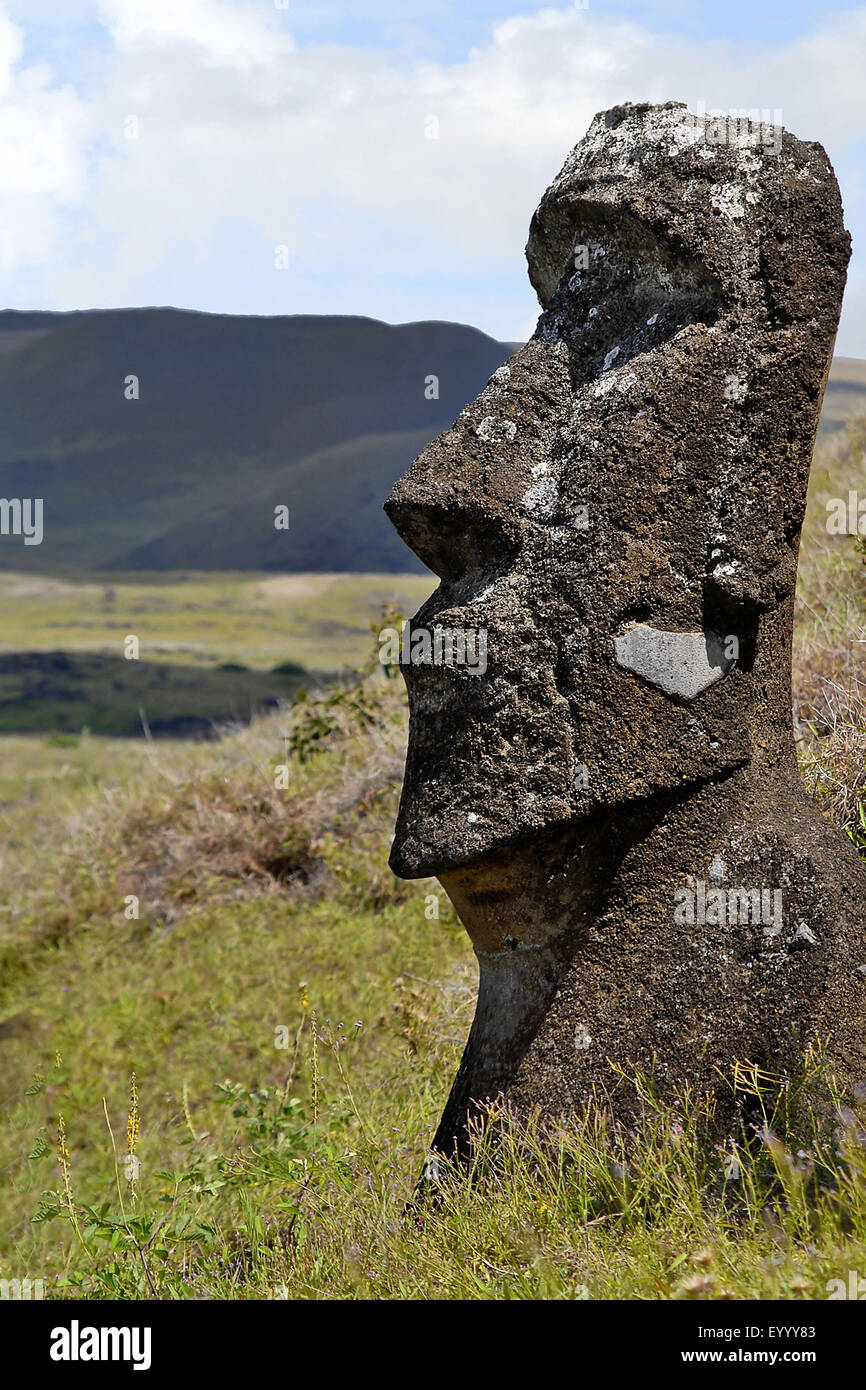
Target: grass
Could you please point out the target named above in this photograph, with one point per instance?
(211, 648)
(830, 639)
(318, 621)
(293, 1017)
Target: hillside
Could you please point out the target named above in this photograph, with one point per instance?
(846, 393)
(212, 648)
(234, 417)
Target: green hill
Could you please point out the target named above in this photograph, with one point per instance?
(234, 416)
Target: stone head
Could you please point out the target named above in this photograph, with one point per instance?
(619, 510)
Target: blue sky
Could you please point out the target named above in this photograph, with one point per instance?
(307, 126)
(446, 30)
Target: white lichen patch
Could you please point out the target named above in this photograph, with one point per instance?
(481, 595)
(679, 663)
(550, 329)
(736, 387)
(620, 381)
(492, 430)
(727, 198)
(502, 375)
(582, 1038)
(603, 388)
(542, 497)
(671, 128)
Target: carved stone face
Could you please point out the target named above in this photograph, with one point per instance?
(608, 509)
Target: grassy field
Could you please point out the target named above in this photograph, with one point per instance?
(293, 1017)
(212, 648)
(319, 621)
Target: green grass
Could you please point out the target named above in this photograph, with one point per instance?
(294, 1017)
(267, 916)
(319, 621)
(211, 648)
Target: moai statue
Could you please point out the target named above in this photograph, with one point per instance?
(613, 803)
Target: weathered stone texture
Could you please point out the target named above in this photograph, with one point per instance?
(638, 468)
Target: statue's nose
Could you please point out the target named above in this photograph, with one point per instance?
(449, 511)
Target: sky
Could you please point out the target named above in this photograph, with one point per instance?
(377, 157)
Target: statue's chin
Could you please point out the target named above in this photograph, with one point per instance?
(406, 862)
(411, 857)
(428, 847)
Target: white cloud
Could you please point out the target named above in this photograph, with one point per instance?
(247, 141)
(236, 32)
(11, 44)
(44, 135)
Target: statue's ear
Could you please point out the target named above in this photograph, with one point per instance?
(760, 501)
